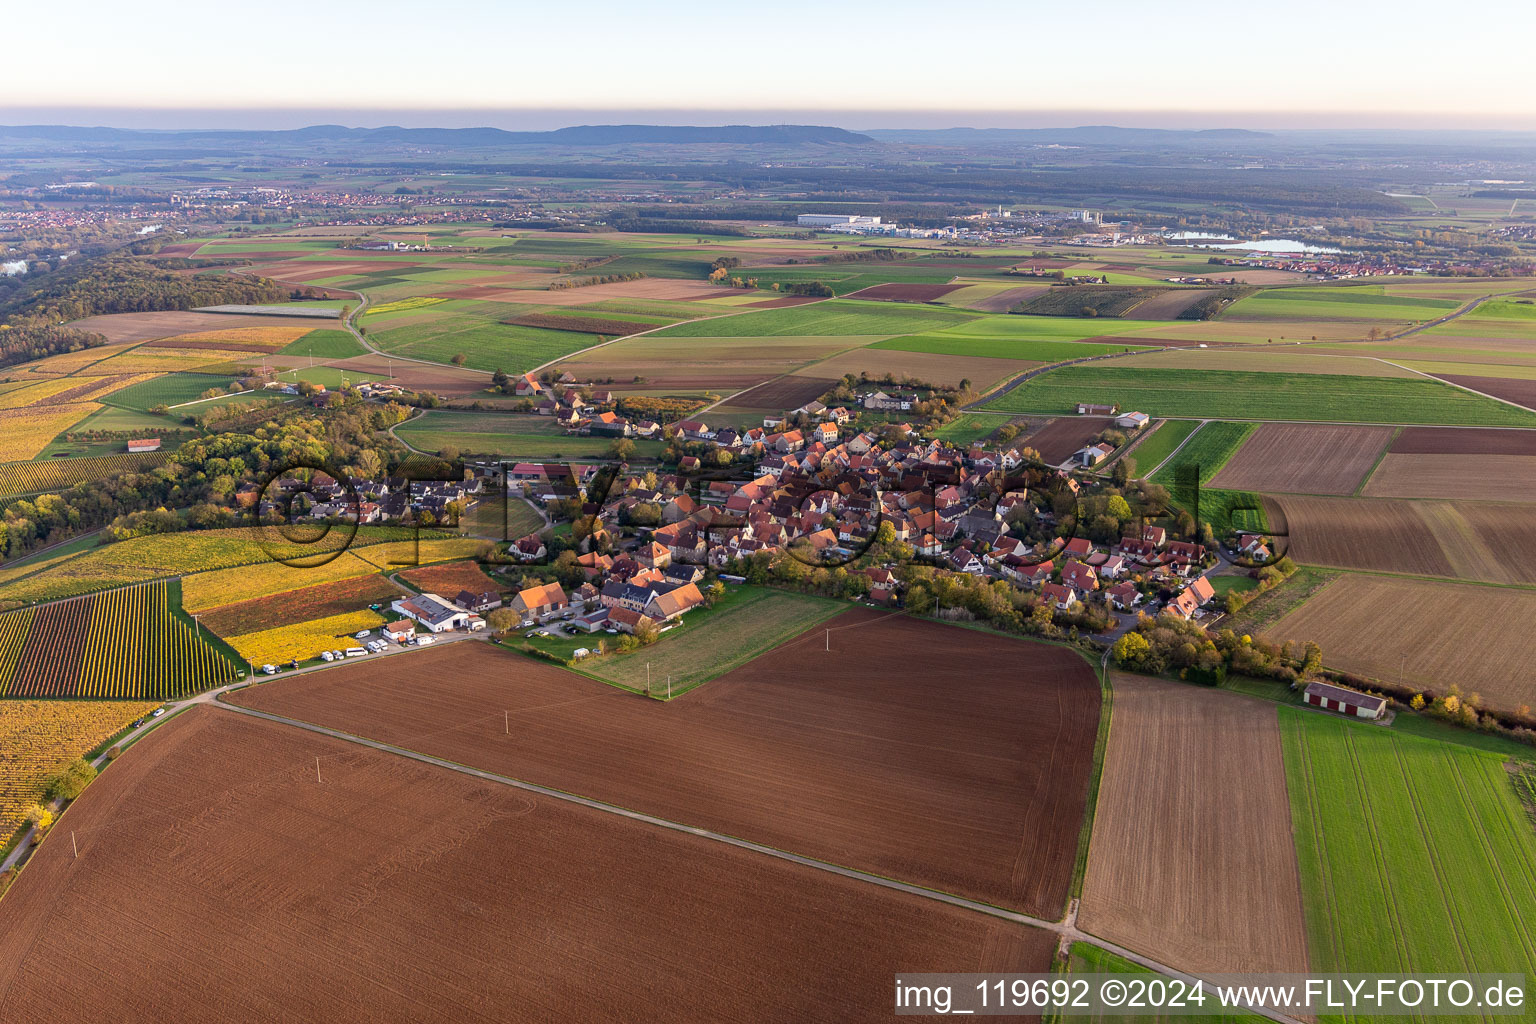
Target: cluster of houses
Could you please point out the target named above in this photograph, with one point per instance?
(364, 501)
(831, 495)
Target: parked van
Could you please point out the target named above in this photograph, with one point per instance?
(270, 670)
(355, 652)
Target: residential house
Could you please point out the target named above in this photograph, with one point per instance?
(540, 603)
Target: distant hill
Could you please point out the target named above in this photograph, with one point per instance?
(581, 135)
(1086, 135)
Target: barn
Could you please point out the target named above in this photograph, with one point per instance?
(1345, 702)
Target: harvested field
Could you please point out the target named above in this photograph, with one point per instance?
(783, 300)
(449, 381)
(932, 367)
(783, 394)
(1423, 633)
(1464, 441)
(448, 579)
(399, 891)
(123, 327)
(1477, 477)
(653, 288)
(913, 749)
(1059, 438)
(1472, 540)
(1191, 861)
(1521, 392)
(898, 292)
(1304, 458)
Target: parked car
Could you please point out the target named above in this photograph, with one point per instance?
(529, 635)
(157, 712)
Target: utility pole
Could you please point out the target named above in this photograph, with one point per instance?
(669, 687)
(506, 718)
(829, 639)
(317, 770)
(647, 679)
(75, 845)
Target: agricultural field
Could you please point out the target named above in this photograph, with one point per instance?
(724, 365)
(951, 344)
(711, 642)
(325, 344)
(450, 578)
(132, 643)
(1160, 442)
(484, 343)
(1472, 540)
(38, 738)
(833, 318)
(220, 587)
(779, 395)
(171, 389)
(303, 641)
(26, 432)
(310, 602)
(1233, 394)
(513, 436)
(1415, 856)
(1085, 958)
(61, 474)
(1191, 863)
(968, 428)
(1446, 441)
(368, 856)
(1304, 458)
(1266, 359)
(1474, 477)
(1208, 450)
(1422, 633)
(183, 554)
(1059, 438)
(912, 749)
(930, 367)
(1358, 302)
(499, 518)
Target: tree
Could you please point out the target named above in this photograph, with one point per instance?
(70, 782)
(1132, 649)
(647, 632)
(502, 620)
(458, 359)
(621, 448)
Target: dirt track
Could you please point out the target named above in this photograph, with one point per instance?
(1192, 861)
(234, 886)
(931, 754)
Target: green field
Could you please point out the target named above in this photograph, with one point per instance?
(833, 318)
(1242, 394)
(485, 344)
(957, 344)
(1415, 856)
(1087, 958)
(530, 437)
(171, 389)
(326, 344)
(1366, 302)
(968, 428)
(748, 622)
(1209, 449)
(1154, 451)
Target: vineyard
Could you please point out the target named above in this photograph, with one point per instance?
(126, 644)
(39, 737)
(305, 640)
(56, 475)
(25, 432)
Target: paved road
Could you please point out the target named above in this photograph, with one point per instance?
(1066, 928)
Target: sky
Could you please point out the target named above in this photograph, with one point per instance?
(855, 63)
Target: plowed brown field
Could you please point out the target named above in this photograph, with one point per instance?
(118, 327)
(1471, 540)
(1520, 392)
(1059, 438)
(1484, 477)
(1464, 441)
(236, 887)
(1304, 458)
(1423, 633)
(933, 754)
(1192, 861)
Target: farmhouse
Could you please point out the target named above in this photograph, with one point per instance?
(478, 602)
(400, 631)
(540, 602)
(1345, 702)
(433, 613)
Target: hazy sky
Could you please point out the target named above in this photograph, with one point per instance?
(866, 64)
